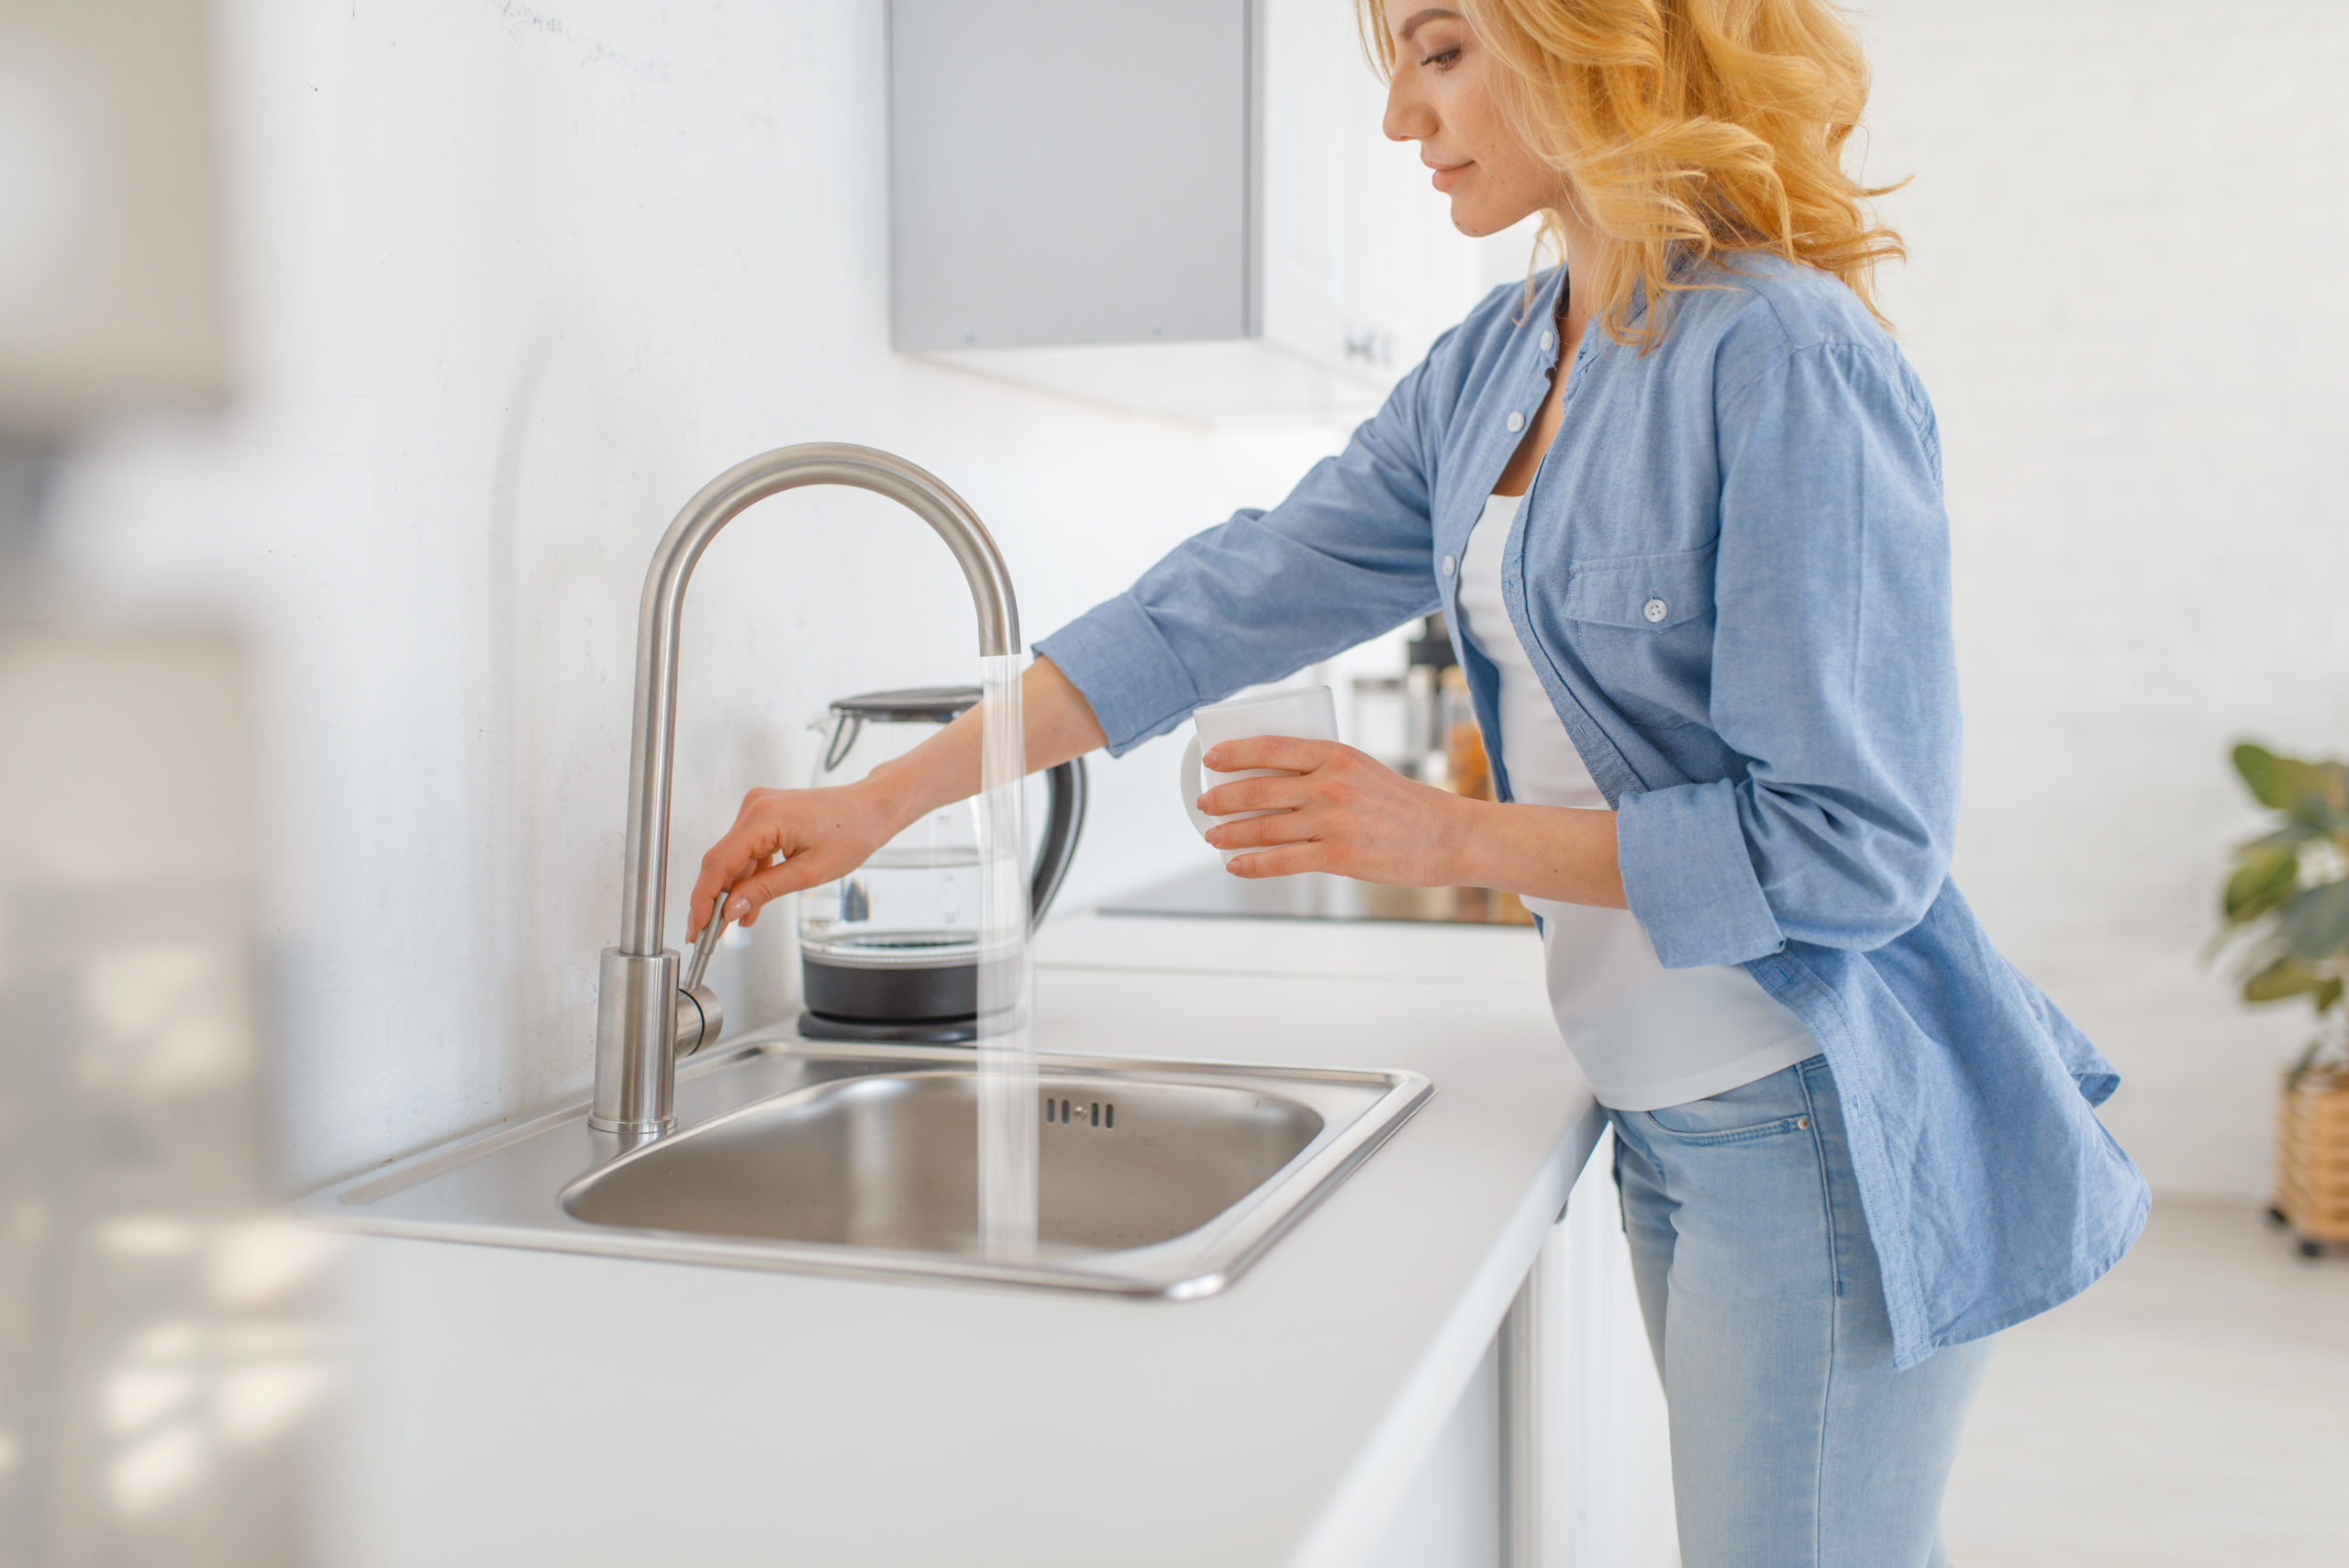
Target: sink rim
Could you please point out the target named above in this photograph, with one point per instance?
(1360, 1107)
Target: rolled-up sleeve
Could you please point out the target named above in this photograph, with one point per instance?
(1833, 673)
(1345, 558)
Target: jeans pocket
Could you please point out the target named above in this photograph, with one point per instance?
(1723, 1134)
(1767, 1108)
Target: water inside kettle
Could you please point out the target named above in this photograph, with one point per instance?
(910, 899)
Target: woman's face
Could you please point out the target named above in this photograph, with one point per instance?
(1441, 97)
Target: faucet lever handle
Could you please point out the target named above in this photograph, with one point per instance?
(698, 1014)
(708, 942)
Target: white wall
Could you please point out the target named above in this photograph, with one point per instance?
(2128, 230)
(514, 280)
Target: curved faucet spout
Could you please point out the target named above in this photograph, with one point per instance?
(636, 1035)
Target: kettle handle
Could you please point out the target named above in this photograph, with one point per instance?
(1063, 825)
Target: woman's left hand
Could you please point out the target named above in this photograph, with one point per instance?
(1340, 812)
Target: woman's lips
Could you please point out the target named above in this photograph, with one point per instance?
(1450, 175)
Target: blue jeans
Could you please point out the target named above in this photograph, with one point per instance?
(1794, 1441)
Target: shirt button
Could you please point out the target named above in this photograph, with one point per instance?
(1549, 338)
(1655, 609)
(1447, 566)
(1515, 421)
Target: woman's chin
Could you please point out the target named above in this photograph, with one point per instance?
(1476, 218)
(1474, 222)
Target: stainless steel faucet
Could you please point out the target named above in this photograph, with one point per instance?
(643, 1015)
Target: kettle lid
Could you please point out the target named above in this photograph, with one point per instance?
(932, 705)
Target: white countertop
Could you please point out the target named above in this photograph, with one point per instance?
(519, 1407)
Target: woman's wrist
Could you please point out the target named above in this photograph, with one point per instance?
(903, 790)
(1482, 843)
(1552, 853)
(1464, 837)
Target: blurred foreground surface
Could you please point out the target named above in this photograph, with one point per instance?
(161, 1355)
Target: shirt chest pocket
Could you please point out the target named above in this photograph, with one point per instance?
(1642, 626)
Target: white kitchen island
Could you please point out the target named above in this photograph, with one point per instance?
(515, 1408)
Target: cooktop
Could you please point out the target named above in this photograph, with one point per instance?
(1216, 894)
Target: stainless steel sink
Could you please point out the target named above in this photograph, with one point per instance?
(1156, 1178)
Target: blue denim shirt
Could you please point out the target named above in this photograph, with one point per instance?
(1731, 575)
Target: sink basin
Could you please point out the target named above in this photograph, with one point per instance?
(891, 1161)
(1156, 1177)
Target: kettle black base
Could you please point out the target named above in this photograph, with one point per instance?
(866, 1032)
(918, 1003)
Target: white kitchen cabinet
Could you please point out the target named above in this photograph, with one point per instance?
(1590, 1452)
(1188, 210)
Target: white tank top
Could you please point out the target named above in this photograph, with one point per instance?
(1646, 1036)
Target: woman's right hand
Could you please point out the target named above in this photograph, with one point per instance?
(786, 840)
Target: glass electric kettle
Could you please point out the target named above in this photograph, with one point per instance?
(890, 952)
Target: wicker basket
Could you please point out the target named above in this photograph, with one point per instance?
(2312, 1160)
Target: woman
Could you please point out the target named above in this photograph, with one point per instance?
(1685, 518)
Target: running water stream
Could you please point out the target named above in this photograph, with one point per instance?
(1007, 1046)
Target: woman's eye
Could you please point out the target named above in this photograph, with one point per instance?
(1442, 61)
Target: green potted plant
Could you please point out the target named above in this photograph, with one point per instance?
(2287, 913)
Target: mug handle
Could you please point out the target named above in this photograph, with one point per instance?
(1192, 787)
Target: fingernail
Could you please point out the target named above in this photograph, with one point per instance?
(740, 908)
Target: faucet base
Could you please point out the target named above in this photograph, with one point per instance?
(636, 1043)
(633, 1133)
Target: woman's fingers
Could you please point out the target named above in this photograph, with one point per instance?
(1291, 752)
(1286, 861)
(785, 841)
(1334, 809)
(746, 847)
(1280, 827)
(760, 888)
(1310, 771)
(756, 837)
(1281, 791)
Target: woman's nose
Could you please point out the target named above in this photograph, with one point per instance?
(1408, 118)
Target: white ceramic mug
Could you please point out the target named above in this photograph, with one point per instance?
(1309, 713)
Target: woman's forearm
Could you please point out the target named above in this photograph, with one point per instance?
(1058, 724)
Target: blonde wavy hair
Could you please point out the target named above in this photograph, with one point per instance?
(1689, 129)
